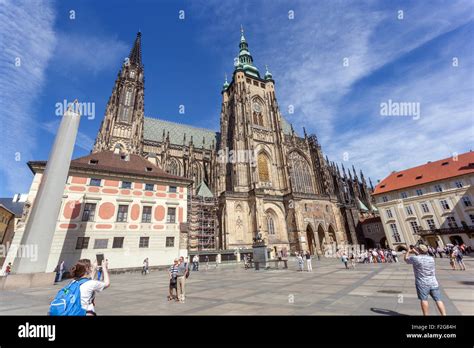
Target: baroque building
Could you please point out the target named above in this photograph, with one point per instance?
(265, 178)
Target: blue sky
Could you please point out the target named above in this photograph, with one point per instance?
(406, 60)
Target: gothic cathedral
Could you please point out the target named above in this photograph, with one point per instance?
(284, 188)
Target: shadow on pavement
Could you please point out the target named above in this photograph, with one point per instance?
(386, 312)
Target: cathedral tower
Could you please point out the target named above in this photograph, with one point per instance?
(122, 126)
(252, 173)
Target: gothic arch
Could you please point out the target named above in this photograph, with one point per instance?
(300, 173)
(173, 167)
(196, 172)
(258, 116)
(275, 217)
(323, 245)
(122, 148)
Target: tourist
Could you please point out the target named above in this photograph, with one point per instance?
(181, 279)
(439, 250)
(353, 261)
(452, 259)
(300, 262)
(374, 256)
(218, 259)
(309, 266)
(173, 271)
(196, 263)
(207, 262)
(60, 271)
(457, 251)
(425, 277)
(84, 269)
(145, 267)
(344, 260)
(395, 256)
(8, 269)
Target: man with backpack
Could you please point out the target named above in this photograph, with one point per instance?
(78, 297)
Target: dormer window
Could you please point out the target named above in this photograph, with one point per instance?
(444, 163)
(93, 161)
(419, 177)
(399, 175)
(149, 169)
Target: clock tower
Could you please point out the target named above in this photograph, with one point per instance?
(252, 134)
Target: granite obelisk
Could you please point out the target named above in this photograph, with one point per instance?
(41, 224)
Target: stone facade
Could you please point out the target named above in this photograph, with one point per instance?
(278, 183)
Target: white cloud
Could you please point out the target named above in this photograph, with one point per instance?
(306, 56)
(91, 53)
(83, 141)
(28, 38)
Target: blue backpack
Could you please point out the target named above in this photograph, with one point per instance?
(68, 300)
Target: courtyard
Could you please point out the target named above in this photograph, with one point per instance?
(370, 289)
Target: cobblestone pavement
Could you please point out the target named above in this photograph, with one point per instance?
(370, 289)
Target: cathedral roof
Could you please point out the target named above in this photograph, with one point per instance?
(153, 131)
(203, 190)
(109, 162)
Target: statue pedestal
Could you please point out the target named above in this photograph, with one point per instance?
(260, 255)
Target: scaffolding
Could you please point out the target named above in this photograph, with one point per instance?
(202, 219)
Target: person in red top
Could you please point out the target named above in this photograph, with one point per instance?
(8, 269)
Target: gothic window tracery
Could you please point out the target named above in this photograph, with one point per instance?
(300, 174)
(126, 107)
(173, 168)
(270, 225)
(196, 173)
(257, 113)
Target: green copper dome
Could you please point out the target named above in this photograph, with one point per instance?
(226, 84)
(268, 74)
(245, 60)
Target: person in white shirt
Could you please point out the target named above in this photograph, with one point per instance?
(84, 269)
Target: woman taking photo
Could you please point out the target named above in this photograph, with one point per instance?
(84, 269)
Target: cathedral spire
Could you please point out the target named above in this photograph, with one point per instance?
(135, 56)
(123, 121)
(245, 60)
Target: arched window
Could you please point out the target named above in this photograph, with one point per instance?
(127, 106)
(173, 167)
(196, 173)
(270, 225)
(300, 174)
(257, 109)
(263, 172)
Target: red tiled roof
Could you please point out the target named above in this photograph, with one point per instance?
(429, 172)
(107, 161)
